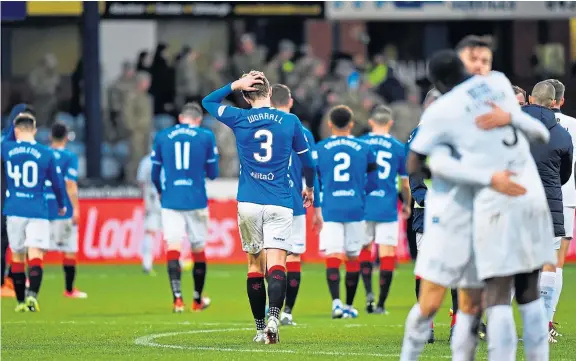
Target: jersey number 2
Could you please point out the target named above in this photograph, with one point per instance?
(340, 170)
(266, 145)
(182, 155)
(29, 175)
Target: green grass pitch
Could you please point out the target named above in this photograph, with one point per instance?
(128, 317)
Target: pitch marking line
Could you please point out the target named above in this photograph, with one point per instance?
(150, 341)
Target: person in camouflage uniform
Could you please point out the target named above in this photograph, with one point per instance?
(137, 114)
(188, 80)
(44, 81)
(115, 128)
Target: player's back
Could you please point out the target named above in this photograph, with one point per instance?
(342, 164)
(503, 148)
(568, 189)
(68, 164)
(184, 152)
(296, 176)
(264, 138)
(28, 166)
(382, 203)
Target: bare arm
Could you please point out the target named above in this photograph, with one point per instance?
(72, 190)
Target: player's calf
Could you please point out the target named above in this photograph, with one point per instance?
(294, 268)
(365, 260)
(70, 267)
(35, 274)
(503, 340)
(352, 278)
(533, 313)
(464, 339)
(387, 265)
(175, 276)
(199, 274)
(18, 270)
(333, 263)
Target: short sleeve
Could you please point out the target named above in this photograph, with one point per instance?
(430, 133)
(228, 115)
(371, 155)
(299, 142)
(156, 156)
(402, 161)
(212, 149)
(72, 171)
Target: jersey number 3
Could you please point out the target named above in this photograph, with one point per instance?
(266, 136)
(29, 175)
(514, 141)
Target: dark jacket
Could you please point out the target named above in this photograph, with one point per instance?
(554, 162)
(418, 189)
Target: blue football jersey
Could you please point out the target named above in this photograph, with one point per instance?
(68, 163)
(184, 152)
(29, 165)
(343, 165)
(296, 177)
(382, 203)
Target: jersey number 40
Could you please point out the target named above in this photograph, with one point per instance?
(28, 177)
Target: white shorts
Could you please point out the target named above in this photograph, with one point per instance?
(518, 240)
(349, 237)
(419, 239)
(298, 238)
(446, 257)
(383, 233)
(63, 236)
(26, 233)
(176, 225)
(264, 226)
(569, 221)
(153, 221)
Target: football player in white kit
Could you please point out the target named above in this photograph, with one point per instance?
(568, 200)
(449, 215)
(152, 216)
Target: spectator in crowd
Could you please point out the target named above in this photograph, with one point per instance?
(280, 70)
(188, 81)
(305, 66)
(117, 97)
(520, 94)
(218, 74)
(249, 57)
(44, 81)
(137, 115)
(162, 86)
(144, 62)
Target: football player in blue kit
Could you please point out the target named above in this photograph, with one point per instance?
(381, 212)
(29, 165)
(348, 171)
(265, 138)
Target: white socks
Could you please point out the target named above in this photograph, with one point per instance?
(502, 337)
(557, 291)
(416, 334)
(464, 341)
(147, 256)
(547, 290)
(535, 325)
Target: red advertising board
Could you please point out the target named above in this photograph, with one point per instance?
(112, 230)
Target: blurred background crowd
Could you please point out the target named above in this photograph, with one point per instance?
(362, 64)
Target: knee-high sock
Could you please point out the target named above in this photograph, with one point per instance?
(19, 279)
(535, 326)
(276, 289)
(502, 339)
(416, 333)
(365, 260)
(174, 273)
(69, 266)
(464, 339)
(454, 294)
(256, 289)
(294, 277)
(147, 255)
(387, 265)
(35, 274)
(547, 290)
(352, 278)
(558, 290)
(3, 257)
(199, 274)
(333, 277)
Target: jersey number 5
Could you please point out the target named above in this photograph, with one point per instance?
(29, 175)
(266, 144)
(340, 170)
(383, 163)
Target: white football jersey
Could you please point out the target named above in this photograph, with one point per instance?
(450, 120)
(144, 177)
(568, 189)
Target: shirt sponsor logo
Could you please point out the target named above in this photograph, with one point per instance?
(378, 193)
(344, 193)
(262, 176)
(183, 182)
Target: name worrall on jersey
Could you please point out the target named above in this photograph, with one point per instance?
(265, 116)
(27, 150)
(343, 141)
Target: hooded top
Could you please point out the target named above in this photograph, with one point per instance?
(554, 162)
